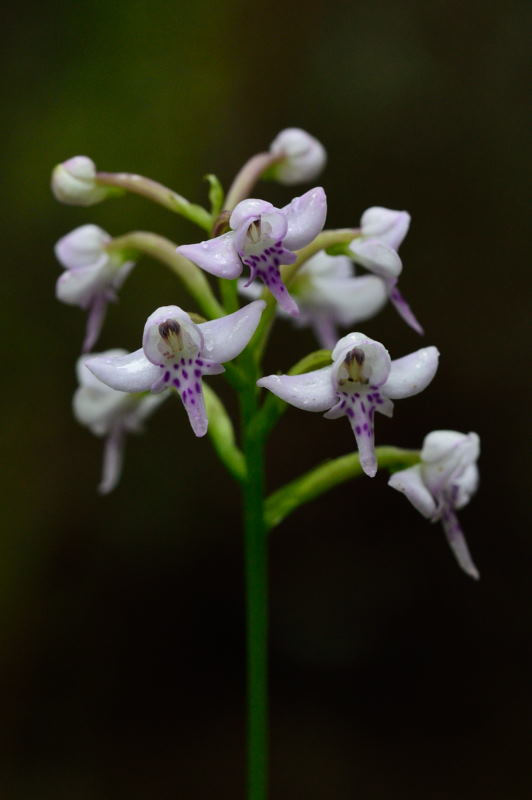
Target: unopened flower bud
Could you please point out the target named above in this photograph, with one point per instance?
(303, 156)
(74, 182)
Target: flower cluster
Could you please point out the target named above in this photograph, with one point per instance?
(294, 267)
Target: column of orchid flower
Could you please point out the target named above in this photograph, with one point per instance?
(297, 270)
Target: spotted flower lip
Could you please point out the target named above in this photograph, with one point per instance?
(303, 156)
(382, 231)
(110, 414)
(91, 276)
(177, 353)
(361, 380)
(329, 295)
(263, 238)
(442, 482)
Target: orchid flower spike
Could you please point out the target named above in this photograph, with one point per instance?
(303, 157)
(263, 237)
(74, 182)
(382, 231)
(361, 380)
(329, 295)
(177, 353)
(445, 480)
(112, 414)
(91, 275)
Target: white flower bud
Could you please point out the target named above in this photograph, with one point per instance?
(74, 182)
(303, 156)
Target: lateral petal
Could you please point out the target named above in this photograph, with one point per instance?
(410, 483)
(226, 337)
(312, 391)
(131, 373)
(412, 373)
(217, 256)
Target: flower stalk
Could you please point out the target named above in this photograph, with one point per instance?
(326, 476)
(153, 190)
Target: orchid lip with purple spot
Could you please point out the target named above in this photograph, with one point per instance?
(178, 353)
(362, 379)
(263, 238)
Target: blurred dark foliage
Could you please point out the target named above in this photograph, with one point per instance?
(392, 674)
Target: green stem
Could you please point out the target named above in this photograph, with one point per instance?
(222, 435)
(161, 194)
(256, 579)
(327, 475)
(164, 250)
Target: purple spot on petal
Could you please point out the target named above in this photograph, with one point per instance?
(185, 374)
(166, 376)
(349, 412)
(177, 383)
(199, 362)
(363, 407)
(358, 430)
(197, 373)
(197, 388)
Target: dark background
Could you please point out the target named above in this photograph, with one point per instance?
(121, 652)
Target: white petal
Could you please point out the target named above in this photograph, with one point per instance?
(113, 459)
(304, 156)
(77, 287)
(467, 485)
(306, 217)
(226, 337)
(439, 444)
(131, 373)
(377, 257)
(377, 361)
(82, 247)
(217, 256)
(323, 265)
(385, 224)
(353, 299)
(249, 209)
(412, 373)
(312, 391)
(410, 483)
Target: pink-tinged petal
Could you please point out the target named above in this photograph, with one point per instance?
(217, 256)
(377, 257)
(226, 337)
(82, 247)
(458, 544)
(404, 310)
(351, 299)
(312, 391)
(410, 483)
(131, 373)
(95, 321)
(412, 373)
(113, 458)
(385, 224)
(78, 286)
(247, 210)
(305, 216)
